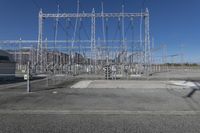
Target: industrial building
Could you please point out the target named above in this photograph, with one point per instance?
(7, 66)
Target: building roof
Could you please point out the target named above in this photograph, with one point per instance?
(5, 57)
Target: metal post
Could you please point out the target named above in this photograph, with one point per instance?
(93, 39)
(141, 54)
(46, 56)
(55, 60)
(20, 54)
(74, 36)
(147, 44)
(104, 35)
(28, 78)
(124, 56)
(40, 45)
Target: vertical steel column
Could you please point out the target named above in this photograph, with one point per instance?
(20, 54)
(141, 54)
(123, 37)
(32, 57)
(152, 55)
(147, 48)
(73, 53)
(104, 50)
(28, 77)
(40, 45)
(93, 39)
(55, 54)
(46, 56)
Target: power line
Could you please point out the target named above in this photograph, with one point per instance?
(143, 4)
(57, 2)
(59, 23)
(36, 4)
(123, 2)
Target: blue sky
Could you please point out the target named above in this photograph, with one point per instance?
(172, 22)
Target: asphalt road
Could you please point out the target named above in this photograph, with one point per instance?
(59, 123)
(61, 109)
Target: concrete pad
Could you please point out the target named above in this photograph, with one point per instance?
(135, 75)
(130, 84)
(82, 84)
(121, 96)
(125, 84)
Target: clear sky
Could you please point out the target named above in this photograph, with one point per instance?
(172, 22)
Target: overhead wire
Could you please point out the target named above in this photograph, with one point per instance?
(76, 22)
(118, 29)
(36, 4)
(143, 5)
(59, 23)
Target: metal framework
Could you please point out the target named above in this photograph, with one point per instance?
(94, 54)
(98, 50)
(40, 43)
(93, 16)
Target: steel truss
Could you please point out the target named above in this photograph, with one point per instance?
(93, 15)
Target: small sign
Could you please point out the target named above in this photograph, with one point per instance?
(25, 77)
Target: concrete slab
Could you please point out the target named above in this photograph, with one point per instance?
(82, 84)
(136, 75)
(125, 84)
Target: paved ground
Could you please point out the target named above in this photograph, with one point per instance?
(57, 123)
(153, 107)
